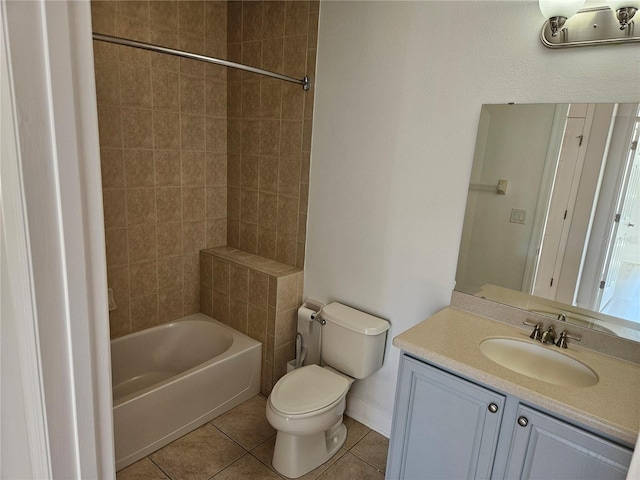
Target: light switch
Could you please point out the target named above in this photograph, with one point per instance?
(518, 215)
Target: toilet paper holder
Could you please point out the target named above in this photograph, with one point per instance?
(310, 327)
(318, 318)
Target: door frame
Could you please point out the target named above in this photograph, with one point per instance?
(49, 50)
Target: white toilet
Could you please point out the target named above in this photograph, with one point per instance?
(306, 405)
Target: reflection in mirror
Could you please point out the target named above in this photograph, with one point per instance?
(552, 219)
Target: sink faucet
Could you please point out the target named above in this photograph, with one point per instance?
(562, 317)
(548, 336)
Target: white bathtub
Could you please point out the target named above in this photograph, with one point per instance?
(171, 379)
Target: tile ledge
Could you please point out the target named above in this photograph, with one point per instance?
(250, 260)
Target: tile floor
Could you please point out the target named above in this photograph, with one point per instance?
(239, 445)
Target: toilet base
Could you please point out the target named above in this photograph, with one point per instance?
(295, 455)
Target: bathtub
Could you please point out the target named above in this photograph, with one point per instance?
(171, 379)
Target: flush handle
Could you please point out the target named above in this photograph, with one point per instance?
(522, 421)
(493, 408)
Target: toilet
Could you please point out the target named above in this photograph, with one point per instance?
(307, 404)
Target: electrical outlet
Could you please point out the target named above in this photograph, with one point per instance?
(518, 216)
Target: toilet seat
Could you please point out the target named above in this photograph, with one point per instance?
(306, 390)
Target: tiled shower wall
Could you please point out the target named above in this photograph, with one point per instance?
(163, 140)
(166, 126)
(269, 125)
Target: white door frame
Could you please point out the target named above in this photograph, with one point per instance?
(544, 195)
(588, 292)
(614, 243)
(562, 202)
(50, 60)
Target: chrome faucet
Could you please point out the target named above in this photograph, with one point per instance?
(562, 317)
(548, 336)
(562, 341)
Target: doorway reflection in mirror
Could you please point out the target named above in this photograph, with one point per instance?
(574, 177)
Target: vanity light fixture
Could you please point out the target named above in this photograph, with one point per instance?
(569, 26)
(625, 10)
(558, 11)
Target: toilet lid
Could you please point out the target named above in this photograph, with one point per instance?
(307, 389)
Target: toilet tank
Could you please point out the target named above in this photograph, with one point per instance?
(352, 341)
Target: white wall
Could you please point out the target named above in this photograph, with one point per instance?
(515, 150)
(399, 89)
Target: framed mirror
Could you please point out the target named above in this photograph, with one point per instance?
(552, 223)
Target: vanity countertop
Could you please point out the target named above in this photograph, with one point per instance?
(451, 339)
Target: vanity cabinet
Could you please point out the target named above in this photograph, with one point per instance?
(446, 427)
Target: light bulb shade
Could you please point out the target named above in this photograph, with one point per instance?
(560, 8)
(618, 4)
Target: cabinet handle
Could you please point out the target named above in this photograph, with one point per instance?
(493, 408)
(522, 421)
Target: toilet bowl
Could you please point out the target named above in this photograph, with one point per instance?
(306, 406)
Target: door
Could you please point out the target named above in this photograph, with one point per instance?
(444, 427)
(545, 448)
(621, 224)
(560, 211)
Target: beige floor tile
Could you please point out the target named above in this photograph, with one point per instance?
(355, 432)
(143, 469)
(247, 467)
(264, 453)
(247, 423)
(350, 467)
(198, 455)
(373, 449)
(212, 451)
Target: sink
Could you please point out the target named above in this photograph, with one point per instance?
(538, 361)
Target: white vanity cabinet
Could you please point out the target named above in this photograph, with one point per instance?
(446, 427)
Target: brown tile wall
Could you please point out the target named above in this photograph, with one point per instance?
(269, 127)
(163, 138)
(257, 297)
(196, 155)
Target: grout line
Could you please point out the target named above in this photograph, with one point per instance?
(270, 467)
(363, 459)
(159, 467)
(228, 466)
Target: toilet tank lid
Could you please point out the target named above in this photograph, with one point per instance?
(353, 319)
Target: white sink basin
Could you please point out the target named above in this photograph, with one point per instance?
(541, 362)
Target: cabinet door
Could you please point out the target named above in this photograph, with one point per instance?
(444, 427)
(548, 448)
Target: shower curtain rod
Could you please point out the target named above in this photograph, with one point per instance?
(194, 56)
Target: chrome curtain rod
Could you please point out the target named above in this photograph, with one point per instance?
(306, 84)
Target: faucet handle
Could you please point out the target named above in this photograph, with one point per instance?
(562, 341)
(536, 334)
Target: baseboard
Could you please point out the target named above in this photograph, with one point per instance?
(369, 414)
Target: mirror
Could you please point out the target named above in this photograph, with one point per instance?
(552, 218)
